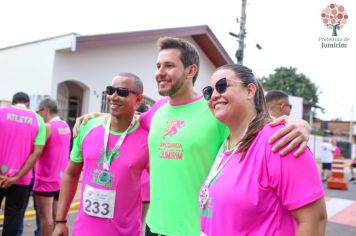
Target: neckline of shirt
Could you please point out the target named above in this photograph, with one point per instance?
(188, 102)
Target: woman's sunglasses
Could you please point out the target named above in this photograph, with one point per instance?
(220, 86)
(121, 91)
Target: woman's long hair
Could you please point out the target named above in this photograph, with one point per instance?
(262, 117)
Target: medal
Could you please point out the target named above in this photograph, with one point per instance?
(104, 177)
(203, 196)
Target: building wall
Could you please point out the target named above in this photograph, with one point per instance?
(29, 67)
(95, 68)
(297, 107)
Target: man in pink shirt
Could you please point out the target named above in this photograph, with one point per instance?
(112, 151)
(22, 138)
(51, 164)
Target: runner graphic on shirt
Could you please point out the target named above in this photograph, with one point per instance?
(172, 127)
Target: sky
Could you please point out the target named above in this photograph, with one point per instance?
(290, 33)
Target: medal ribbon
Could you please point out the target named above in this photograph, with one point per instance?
(215, 170)
(217, 166)
(108, 158)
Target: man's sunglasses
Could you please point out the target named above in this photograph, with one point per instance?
(121, 91)
(220, 86)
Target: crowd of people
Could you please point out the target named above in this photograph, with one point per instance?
(34, 151)
(224, 161)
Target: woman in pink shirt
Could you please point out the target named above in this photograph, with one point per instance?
(250, 190)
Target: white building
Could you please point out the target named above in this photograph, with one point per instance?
(75, 69)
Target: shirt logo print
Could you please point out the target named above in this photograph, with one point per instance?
(101, 160)
(172, 127)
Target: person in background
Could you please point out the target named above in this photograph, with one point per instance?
(51, 164)
(251, 190)
(112, 151)
(278, 103)
(326, 158)
(22, 137)
(37, 231)
(337, 150)
(352, 166)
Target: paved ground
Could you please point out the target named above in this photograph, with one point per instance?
(341, 207)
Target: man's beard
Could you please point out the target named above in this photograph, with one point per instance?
(173, 90)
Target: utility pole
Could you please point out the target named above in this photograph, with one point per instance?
(242, 34)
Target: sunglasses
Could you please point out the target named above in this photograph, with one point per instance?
(121, 91)
(220, 86)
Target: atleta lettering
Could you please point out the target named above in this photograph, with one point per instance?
(19, 119)
(65, 130)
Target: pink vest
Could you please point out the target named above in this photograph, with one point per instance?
(54, 158)
(18, 131)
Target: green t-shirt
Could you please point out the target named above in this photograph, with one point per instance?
(183, 143)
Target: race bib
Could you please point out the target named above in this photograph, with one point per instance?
(99, 202)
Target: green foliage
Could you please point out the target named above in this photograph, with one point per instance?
(316, 132)
(288, 80)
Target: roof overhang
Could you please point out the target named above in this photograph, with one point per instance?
(202, 35)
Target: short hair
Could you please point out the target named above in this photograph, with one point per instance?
(135, 79)
(189, 53)
(20, 97)
(275, 95)
(50, 104)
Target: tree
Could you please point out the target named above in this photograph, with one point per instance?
(288, 80)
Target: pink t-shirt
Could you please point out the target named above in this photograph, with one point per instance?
(125, 170)
(337, 151)
(20, 130)
(145, 186)
(256, 196)
(54, 158)
(146, 117)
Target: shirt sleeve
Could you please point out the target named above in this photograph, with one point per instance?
(146, 117)
(76, 153)
(296, 180)
(40, 139)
